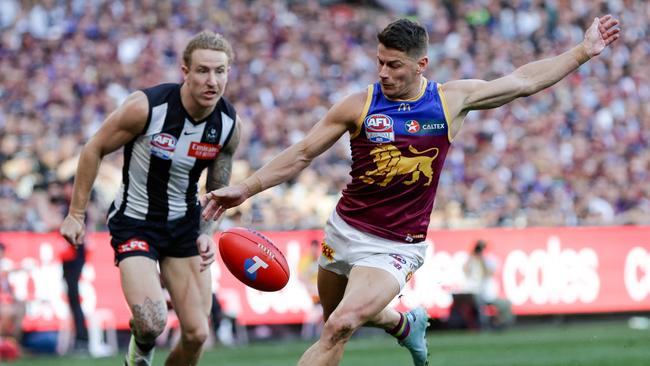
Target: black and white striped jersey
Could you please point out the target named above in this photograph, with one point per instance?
(163, 164)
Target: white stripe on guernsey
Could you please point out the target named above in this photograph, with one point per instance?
(226, 125)
(117, 202)
(182, 163)
(137, 198)
(158, 114)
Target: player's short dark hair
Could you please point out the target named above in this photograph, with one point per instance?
(406, 36)
(208, 40)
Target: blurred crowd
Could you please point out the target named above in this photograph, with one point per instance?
(576, 154)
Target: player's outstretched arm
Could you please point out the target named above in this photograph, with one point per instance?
(120, 127)
(340, 118)
(465, 95)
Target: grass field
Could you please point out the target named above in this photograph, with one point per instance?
(578, 344)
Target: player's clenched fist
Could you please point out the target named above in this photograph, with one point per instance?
(73, 230)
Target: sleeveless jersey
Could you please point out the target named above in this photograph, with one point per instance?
(163, 164)
(397, 155)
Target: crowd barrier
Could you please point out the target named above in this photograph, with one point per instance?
(541, 271)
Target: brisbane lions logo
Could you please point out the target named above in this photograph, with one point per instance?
(390, 163)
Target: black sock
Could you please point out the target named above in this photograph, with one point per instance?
(145, 347)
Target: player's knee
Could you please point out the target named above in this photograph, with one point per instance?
(147, 330)
(194, 337)
(340, 327)
(147, 334)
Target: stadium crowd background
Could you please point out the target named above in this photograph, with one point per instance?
(577, 154)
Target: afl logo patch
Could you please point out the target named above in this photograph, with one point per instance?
(379, 128)
(412, 126)
(163, 145)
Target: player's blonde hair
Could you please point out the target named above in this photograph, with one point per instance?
(207, 40)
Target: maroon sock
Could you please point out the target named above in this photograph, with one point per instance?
(402, 329)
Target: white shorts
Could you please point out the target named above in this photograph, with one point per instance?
(345, 247)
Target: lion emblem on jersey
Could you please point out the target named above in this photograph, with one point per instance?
(390, 163)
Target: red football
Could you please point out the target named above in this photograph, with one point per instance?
(253, 259)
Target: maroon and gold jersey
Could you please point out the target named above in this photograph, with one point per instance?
(397, 154)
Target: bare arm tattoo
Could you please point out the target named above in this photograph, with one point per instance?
(219, 173)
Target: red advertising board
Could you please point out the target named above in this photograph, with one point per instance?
(541, 271)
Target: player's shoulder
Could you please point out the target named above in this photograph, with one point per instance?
(163, 88)
(134, 111)
(350, 107)
(137, 102)
(162, 93)
(354, 100)
(461, 86)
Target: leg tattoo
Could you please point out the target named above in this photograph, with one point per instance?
(149, 320)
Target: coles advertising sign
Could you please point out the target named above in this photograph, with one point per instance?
(540, 270)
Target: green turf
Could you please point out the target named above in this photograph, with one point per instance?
(591, 344)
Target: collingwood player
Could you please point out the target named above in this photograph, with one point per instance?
(170, 134)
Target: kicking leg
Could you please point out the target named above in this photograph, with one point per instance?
(191, 296)
(408, 328)
(368, 291)
(141, 287)
(331, 288)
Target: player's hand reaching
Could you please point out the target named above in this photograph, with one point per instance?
(73, 230)
(216, 202)
(206, 247)
(600, 34)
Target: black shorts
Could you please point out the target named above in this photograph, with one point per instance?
(155, 240)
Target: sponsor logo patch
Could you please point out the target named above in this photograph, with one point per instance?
(411, 237)
(403, 107)
(251, 265)
(398, 258)
(412, 126)
(203, 151)
(379, 128)
(133, 245)
(163, 145)
(432, 128)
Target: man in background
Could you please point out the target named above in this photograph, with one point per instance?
(12, 312)
(491, 310)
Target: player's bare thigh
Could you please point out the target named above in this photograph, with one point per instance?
(140, 280)
(369, 291)
(189, 289)
(368, 287)
(331, 287)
